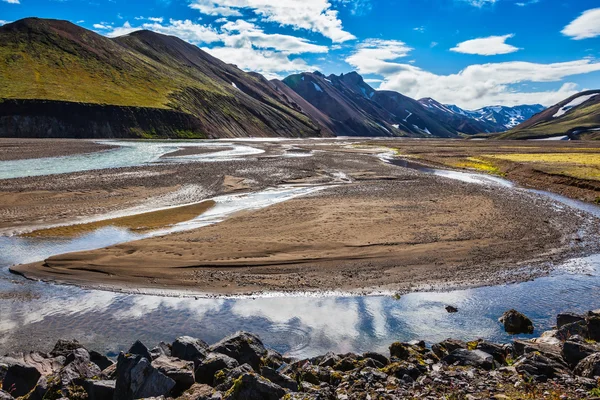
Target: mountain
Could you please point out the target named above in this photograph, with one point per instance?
(578, 117)
(488, 119)
(353, 108)
(60, 80)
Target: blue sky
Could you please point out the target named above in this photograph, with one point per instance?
(467, 52)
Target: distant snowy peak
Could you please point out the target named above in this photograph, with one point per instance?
(504, 117)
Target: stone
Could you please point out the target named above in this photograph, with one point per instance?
(589, 367)
(516, 323)
(5, 395)
(446, 347)
(78, 368)
(100, 360)
(65, 347)
(539, 367)
(137, 378)
(279, 379)
(377, 357)
(182, 372)
(19, 378)
(138, 348)
(245, 347)
(575, 351)
(200, 391)
(593, 326)
(566, 318)
(163, 349)
(549, 337)
(572, 329)
(329, 360)
(273, 359)
(523, 347)
(99, 390)
(474, 358)
(451, 309)
(346, 364)
(251, 386)
(399, 350)
(189, 349)
(224, 381)
(214, 362)
(498, 351)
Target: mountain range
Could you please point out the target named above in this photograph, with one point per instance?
(60, 80)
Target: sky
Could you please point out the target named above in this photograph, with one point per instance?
(472, 53)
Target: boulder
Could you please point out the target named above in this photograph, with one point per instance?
(329, 360)
(572, 329)
(100, 360)
(99, 390)
(516, 323)
(377, 357)
(279, 379)
(214, 362)
(138, 348)
(137, 378)
(273, 359)
(566, 318)
(182, 372)
(593, 326)
(189, 349)
(549, 337)
(163, 349)
(474, 358)
(574, 351)
(399, 350)
(251, 386)
(524, 347)
(65, 347)
(498, 351)
(5, 396)
(19, 378)
(539, 367)
(78, 368)
(244, 347)
(446, 347)
(346, 364)
(589, 367)
(200, 392)
(224, 382)
(451, 309)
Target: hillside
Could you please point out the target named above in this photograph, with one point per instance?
(578, 117)
(51, 64)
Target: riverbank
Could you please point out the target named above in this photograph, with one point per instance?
(378, 228)
(562, 363)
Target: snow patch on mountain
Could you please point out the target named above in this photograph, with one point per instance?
(574, 103)
(317, 87)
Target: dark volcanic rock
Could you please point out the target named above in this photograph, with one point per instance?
(163, 349)
(189, 349)
(451, 309)
(65, 347)
(329, 360)
(214, 362)
(99, 390)
(377, 357)
(138, 348)
(137, 378)
(540, 367)
(224, 383)
(100, 360)
(244, 347)
(19, 378)
(572, 329)
(515, 322)
(593, 326)
(563, 319)
(279, 379)
(200, 392)
(446, 347)
(589, 367)
(78, 368)
(573, 352)
(475, 358)
(5, 396)
(182, 372)
(254, 387)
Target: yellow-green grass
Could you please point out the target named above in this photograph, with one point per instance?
(566, 158)
(140, 223)
(476, 163)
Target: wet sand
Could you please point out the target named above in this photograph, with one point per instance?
(379, 228)
(19, 149)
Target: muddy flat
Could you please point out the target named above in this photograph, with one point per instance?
(373, 227)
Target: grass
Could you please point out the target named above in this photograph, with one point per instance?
(141, 222)
(575, 165)
(478, 164)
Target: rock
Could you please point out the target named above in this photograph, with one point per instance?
(200, 392)
(19, 378)
(515, 322)
(593, 326)
(182, 372)
(65, 347)
(402, 369)
(566, 318)
(109, 373)
(346, 364)
(138, 348)
(377, 357)
(214, 362)
(5, 396)
(99, 390)
(244, 347)
(224, 383)
(189, 349)
(100, 360)
(575, 351)
(572, 329)
(163, 349)
(273, 359)
(474, 358)
(498, 351)
(549, 337)
(40, 361)
(137, 378)
(446, 347)
(329, 360)
(523, 347)
(399, 350)
(77, 369)
(539, 367)
(279, 379)
(589, 367)
(451, 309)
(254, 387)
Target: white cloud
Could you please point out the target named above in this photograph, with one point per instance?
(313, 15)
(477, 85)
(156, 19)
(3, 22)
(12, 1)
(186, 30)
(487, 46)
(480, 3)
(102, 26)
(586, 26)
(374, 55)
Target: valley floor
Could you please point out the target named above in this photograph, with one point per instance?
(373, 226)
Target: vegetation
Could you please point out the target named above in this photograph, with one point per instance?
(477, 164)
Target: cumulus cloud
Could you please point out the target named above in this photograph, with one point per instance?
(488, 46)
(312, 15)
(3, 22)
(477, 85)
(12, 1)
(479, 3)
(373, 56)
(586, 26)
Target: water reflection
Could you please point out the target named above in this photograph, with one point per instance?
(300, 326)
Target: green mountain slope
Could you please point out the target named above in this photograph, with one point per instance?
(56, 61)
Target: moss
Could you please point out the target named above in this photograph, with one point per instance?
(235, 388)
(472, 345)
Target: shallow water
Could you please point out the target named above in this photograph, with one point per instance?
(35, 315)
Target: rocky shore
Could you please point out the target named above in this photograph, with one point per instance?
(560, 364)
